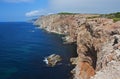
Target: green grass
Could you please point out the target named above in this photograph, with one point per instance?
(114, 16)
(66, 13)
(116, 19)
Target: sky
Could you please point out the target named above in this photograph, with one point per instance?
(23, 10)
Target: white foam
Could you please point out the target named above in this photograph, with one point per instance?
(46, 60)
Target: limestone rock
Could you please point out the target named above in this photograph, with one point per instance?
(52, 60)
(97, 39)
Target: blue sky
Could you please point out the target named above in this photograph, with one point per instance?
(22, 10)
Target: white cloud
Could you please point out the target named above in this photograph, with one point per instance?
(33, 13)
(85, 5)
(17, 1)
(38, 12)
(65, 3)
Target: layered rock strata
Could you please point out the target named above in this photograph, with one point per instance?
(97, 39)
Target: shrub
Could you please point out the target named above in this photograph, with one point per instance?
(114, 16)
(66, 13)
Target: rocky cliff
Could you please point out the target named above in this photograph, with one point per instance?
(97, 39)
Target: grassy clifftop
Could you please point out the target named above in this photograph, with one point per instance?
(66, 13)
(114, 16)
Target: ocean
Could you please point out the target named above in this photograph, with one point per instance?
(23, 48)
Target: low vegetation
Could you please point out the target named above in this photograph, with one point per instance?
(114, 16)
(66, 13)
(96, 16)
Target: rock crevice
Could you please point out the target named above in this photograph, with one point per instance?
(97, 39)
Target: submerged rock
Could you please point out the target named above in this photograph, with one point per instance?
(52, 60)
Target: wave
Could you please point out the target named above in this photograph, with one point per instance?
(45, 60)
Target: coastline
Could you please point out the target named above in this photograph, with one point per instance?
(95, 39)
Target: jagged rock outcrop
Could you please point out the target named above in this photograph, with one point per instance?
(97, 39)
(52, 60)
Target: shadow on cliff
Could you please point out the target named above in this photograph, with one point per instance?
(92, 53)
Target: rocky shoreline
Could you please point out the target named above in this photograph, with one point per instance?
(97, 39)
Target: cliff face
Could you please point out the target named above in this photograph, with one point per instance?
(97, 39)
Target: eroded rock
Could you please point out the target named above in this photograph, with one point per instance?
(97, 39)
(52, 60)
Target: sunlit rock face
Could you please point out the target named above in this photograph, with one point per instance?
(96, 42)
(97, 39)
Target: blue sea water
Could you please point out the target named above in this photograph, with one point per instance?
(23, 48)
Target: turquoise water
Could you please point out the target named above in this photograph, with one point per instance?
(23, 48)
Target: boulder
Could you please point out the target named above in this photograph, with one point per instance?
(52, 60)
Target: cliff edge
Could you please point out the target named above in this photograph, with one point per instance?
(97, 39)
